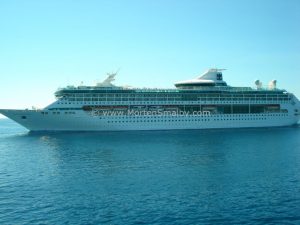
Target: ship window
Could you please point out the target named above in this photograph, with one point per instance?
(24, 117)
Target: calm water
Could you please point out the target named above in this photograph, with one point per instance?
(163, 177)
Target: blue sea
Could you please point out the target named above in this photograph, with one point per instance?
(235, 176)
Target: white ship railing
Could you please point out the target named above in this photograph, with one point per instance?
(167, 90)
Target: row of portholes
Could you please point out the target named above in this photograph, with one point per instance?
(163, 102)
(57, 113)
(203, 120)
(227, 117)
(249, 115)
(151, 121)
(241, 119)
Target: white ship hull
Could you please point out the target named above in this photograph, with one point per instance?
(82, 121)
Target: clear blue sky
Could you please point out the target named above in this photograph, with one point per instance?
(49, 44)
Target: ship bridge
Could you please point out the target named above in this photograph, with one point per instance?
(211, 78)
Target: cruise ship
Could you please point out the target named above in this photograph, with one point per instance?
(205, 102)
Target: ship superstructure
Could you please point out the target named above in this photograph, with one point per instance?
(201, 103)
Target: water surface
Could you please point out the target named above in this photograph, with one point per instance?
(249, 176)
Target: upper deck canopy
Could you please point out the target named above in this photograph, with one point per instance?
(211, 78)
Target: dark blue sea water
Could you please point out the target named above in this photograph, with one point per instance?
(245, 176)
